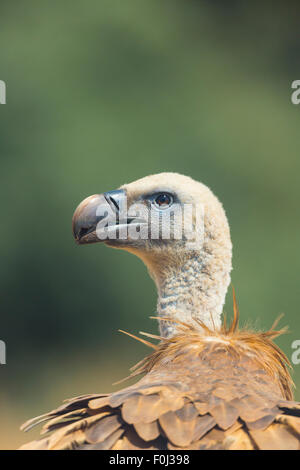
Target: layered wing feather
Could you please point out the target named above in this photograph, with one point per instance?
(199, 392)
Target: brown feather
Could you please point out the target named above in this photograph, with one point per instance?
(202, 389)
(275, 437)
(179, 432)
(107, 444)
(225, 414)
(147, 431)
(102, 429)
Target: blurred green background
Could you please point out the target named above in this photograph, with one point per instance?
(100, 93)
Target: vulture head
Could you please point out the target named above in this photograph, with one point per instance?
(179, 229)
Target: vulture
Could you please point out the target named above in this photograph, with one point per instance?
(207, 384)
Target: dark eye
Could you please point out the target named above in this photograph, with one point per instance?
(163, 200)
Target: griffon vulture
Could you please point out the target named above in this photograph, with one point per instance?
(206, 385)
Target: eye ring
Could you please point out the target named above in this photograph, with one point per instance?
(163, 200)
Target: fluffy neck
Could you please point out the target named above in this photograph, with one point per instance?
(192, 285)
(195, 291)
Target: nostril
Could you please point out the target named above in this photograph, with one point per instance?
(112, 202)
(115, 203)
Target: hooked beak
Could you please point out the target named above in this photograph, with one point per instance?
(95, 209)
